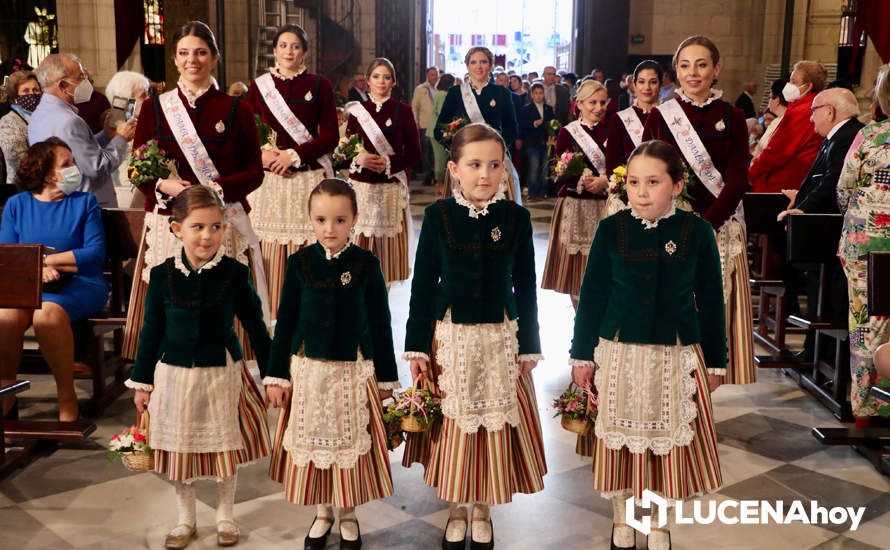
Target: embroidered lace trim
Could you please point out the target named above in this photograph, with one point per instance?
(529, 357)
(389, 385)
(715, 95)
(378, 103)
(274, 216)
(138, 385)
(276, 72)
(730, 244)
(475, 212)
(280, 382)
(383, 208)
(192, 98)
(654, 223)
(334, 255)
(588, 124)
(578, 221)
(409, 355)
(179, 263)
(582, 363)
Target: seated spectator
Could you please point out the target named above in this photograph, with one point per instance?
(65, 85)
(50, 211)
(23, 94)
(775, 110)
(788, 157)
(533, 121)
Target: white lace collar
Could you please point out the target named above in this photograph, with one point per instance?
(334, 255)
(640, 107)
(379, 103)
(588, 125)
(715, 95)
(475, 212)
(276, 72)
(179, 263)
(654, 223)
(192, 98)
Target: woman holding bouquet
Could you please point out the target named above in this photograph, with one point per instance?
(581, 203)
(299, 109)
(479, 99)
(212, 140)
(626, 131)
(712, 136)
(378, 173)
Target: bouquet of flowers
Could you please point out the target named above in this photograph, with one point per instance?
(577, 407)
(347, 149)
(451, 128)
(268, 136)
(617, 182)
(149, 163)
(571, 165)
(416, 409)
(131, 447)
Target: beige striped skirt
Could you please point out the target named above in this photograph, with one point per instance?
(370, 479)
(739, 318)
(572, 228)
(254, 435)
(683, 472)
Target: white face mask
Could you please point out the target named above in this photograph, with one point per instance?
(790, 92)
(83, 92)
(70, 179)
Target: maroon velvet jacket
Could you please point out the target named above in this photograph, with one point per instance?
(620, 144)
(235, 151)
(565, 142)
(728, 149)
(318, 113)
(401, 134)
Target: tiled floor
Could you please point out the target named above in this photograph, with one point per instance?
(73, 499)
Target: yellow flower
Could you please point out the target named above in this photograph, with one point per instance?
(620, 170)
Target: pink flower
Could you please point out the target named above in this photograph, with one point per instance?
(571, 407)
(115, 437)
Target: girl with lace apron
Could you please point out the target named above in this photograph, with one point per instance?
(206, 414)
(379, 175)
(581, 202)
(331, 364)
(299, 109)
(212, 140)
(473, 327)
(712, 136)
(650, 326)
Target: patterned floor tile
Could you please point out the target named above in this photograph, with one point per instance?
(767, 436)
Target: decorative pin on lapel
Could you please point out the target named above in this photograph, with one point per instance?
(720, 126)
(493, 103)
(388, 122)
(308, 96)
(345, 278)
(670, 247)
(496, 234)
(220, 127)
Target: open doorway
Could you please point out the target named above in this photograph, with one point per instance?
(524, 35)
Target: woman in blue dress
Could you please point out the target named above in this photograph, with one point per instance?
(49, 211)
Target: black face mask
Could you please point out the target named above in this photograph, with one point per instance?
(28, 102)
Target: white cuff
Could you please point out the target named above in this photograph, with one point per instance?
(159, 197)
(389, 385)
(409, 355)
(272, 381)
(582, 363)
(295, 158)
(717, 372)
(354, 168)
(530, 357)
(138, 385)
(388, 166)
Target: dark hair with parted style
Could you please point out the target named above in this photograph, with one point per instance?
(664, 152)
(191, 199)
(335, 187)
(472, 133)
(293, 29)
(37, 164)
(381, 62)
(649, 65)
(199, 29)
(697, 40)
(445, 82)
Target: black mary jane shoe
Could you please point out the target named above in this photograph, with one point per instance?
(476, 545)
(318, 543)
(350, 544)
(613, 546)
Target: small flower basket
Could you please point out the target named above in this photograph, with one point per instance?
(392, 425)
(416, 409)
(132, 448)
(577, 407)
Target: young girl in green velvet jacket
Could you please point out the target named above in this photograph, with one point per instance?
(331, 364)
(474, 311)
(207, 415)
(651, 325)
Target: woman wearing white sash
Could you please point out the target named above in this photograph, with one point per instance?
(626, 130)
(581, 202)
(714, 142)
(224, 154)
(300, 107)
(479, 99)
(379, 177)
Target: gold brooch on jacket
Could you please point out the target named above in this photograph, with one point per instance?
(670, 247)
(388, 122)
(493, 103)
(308, 96)
(220, 127)
(496, 234)
(345, 278)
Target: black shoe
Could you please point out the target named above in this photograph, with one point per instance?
(317, 543)
(351, 544)
(613, 546)
(474, 545)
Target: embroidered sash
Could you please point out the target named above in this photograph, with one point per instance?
(694, 151)
(591, 150)
(288, 120)
(375, 134)
(632, 124)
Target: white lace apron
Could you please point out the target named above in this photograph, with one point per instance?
(646, 396)
(383, 207)
(329, 414)
(280, 212)
(578, 223)
(479, 373)
(730, 244)
(195, 410)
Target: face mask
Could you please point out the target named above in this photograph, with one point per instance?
(83, 92)
(70, 180)
(790, 92)
(28, 102)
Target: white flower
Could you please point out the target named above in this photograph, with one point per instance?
(720, 126)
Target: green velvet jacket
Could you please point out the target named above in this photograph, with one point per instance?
(653, 286)
(480, 268)
(331, 309)
(189, 320)
(495, 104)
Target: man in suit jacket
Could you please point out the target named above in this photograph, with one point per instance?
(745, 101)
(556, 95)
(534, 118)
(359, 89)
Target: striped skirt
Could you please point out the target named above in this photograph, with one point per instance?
(570, 243)
(254, 434)
(391, 251)
(683, 473)
(370, 479)
(739, 319)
